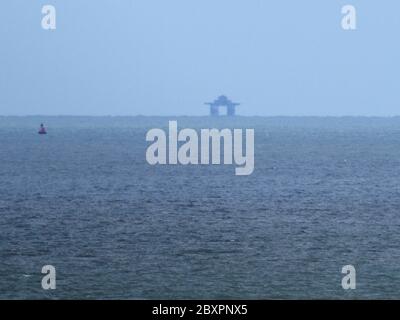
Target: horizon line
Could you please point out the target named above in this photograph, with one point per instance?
(200, 116)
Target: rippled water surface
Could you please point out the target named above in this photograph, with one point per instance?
(325, 193)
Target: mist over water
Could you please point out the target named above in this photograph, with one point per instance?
(324, 194)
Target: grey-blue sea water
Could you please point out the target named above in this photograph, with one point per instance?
(324, 194)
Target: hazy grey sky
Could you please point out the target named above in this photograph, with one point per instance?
(167, 57)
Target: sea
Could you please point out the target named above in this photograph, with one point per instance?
(324, 194)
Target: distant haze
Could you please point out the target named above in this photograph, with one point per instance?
(149, 57)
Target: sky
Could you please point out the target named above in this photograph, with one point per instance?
(168, 57)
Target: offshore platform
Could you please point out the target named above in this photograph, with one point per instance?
(222, 101)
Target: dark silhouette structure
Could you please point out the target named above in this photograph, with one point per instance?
(222, 101)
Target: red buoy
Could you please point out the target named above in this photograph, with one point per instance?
(42, 129)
